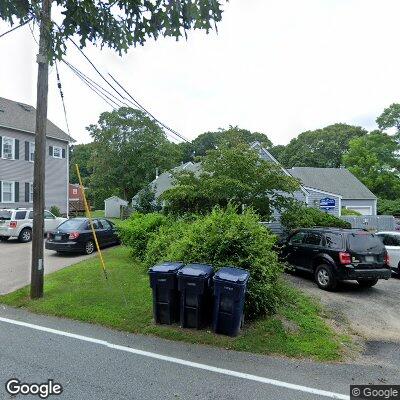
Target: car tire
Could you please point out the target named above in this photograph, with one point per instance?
(325, 278)
(89, 247)
(25, 235)
(367, 283)
(3, 238)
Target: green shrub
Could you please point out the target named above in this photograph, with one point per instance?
(225, 238)
(136, 231)
(300, 216)
(388, 207)
(55, 211)
(346, 211)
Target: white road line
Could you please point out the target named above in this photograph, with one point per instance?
(179, 361)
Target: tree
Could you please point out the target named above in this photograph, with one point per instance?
(390, 118)
(146, 201)
(80, 154)
(231, 175)
(116, 24)
(128, 147)
(320, 148)
(232, 136)
(374, 160)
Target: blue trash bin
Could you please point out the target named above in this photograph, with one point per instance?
(194, 285)
(229, 294)
(165, 292)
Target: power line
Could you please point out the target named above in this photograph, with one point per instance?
(16, 27)
(62, 99)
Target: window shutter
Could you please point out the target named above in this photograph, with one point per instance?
(16, 149)
(26, 151)
(63, 153)
(51, 151)
(1, 149)
(16, 192)
(0, 185)
(27, 192)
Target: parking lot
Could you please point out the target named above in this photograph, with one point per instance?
(15, 264)
(372, 313)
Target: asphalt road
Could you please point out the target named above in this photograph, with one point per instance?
(373, 313)
(15, 264)
(105, 364)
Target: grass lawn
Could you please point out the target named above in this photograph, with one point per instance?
(80, 292)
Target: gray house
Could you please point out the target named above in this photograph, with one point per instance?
(328, 189)
(17, 149)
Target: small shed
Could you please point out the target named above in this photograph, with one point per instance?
(112, 206)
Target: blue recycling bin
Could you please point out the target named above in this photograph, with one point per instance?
(164, 284)
(194, 285)
(229, 295)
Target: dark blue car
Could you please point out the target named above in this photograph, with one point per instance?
(75, 235)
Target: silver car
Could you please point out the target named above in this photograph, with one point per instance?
(391, 240)
(18, 222)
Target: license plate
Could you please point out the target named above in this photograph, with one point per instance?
(57, 237)
(369, 258)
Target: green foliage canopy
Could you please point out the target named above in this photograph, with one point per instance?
(320, 148)
(390, 118)
(117, 24)
(230, 175)
(128, 146)
(374, 160)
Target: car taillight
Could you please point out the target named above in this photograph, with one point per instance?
(74, 235)
(344, 258)
(13, 224)
(386, 258)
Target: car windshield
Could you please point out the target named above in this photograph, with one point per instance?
(5, 215)
(365, 242)
(72, 224)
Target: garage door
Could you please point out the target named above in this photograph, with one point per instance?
(363, 210)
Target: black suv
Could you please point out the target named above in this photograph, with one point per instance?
(333, 254)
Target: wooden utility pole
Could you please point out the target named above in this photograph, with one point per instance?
(40, 152)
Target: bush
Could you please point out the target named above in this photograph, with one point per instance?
(137, 230)
(346, 211)
(300, 216)
(225, 238)
(388, 207)
(55, 211)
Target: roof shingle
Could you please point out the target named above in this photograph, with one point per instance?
(22, 117)
(334, 180)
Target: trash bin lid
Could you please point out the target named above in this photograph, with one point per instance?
(166, 267)
(196, 269)
(232, 274)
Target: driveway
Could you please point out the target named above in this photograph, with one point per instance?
(372, 313)
(15, 264)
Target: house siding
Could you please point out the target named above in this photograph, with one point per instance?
(361, 203)
(56, 176)
(315, 196)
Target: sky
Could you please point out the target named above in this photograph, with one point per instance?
(279, 67)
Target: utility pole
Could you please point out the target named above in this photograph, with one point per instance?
(40, 152)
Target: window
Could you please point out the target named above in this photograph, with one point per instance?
(313, 239)
(8, 148)
(31, 193)
(334, 241)
(57, 152)
(48, 215)
(297, 238)
(390, 240)
(20, 215)
(7, 192)
(30, 215)
(106, 224)
(364, 242)
(31, 151)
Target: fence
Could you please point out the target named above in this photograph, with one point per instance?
(372, 222)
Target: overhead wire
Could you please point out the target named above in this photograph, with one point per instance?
(16, 27)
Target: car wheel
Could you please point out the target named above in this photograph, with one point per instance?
(366, 283)
(325, 278)
(89, 247)
(25, 235)
(3, 238)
